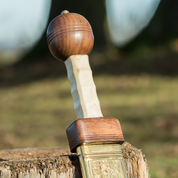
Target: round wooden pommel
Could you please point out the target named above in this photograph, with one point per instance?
(69, 34)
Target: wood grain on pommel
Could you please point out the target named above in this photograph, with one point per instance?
(69, 34)
(94, 130)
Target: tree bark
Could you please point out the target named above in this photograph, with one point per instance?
(60, 163)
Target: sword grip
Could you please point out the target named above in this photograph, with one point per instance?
(83, 89)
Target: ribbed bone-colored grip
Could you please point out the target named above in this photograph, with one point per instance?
(83, 89)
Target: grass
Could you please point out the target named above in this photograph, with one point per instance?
(36, 114)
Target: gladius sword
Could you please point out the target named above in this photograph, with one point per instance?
(96, 139)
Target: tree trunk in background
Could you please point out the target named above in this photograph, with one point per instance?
(60, 163)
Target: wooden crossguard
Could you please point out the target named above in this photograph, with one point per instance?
(95, 139)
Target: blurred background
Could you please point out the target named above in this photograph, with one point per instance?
(135, 68)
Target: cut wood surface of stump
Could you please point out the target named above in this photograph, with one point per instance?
(60, 163)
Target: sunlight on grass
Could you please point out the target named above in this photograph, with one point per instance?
(164, 167)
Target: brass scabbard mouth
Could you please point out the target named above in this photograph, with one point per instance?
(101, 161)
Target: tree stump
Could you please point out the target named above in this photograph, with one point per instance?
(60, 163)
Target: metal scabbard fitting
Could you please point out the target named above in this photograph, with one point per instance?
(100, 161)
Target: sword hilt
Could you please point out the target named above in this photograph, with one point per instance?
(70, 39)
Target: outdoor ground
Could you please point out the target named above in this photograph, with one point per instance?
(36, 108)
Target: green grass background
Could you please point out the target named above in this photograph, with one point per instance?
(36, 114)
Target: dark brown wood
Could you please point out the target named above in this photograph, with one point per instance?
(69, 34)
(94, 130)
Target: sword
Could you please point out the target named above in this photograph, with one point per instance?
(96, 139)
